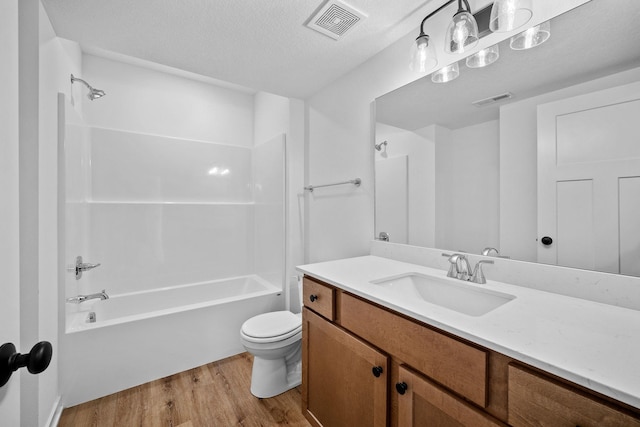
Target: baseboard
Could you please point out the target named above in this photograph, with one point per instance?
(56, 412)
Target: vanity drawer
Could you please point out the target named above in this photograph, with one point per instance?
(452, 363)
(536, 400)
(318, 297)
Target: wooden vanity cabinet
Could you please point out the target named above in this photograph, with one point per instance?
(365, 365)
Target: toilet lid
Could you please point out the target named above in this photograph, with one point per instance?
(273, 324)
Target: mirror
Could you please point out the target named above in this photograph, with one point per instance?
(464, 177)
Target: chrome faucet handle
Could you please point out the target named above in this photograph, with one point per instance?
(490, 252)
(478, 274)
(453, 265)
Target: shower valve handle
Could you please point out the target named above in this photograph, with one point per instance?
(87, 266)
(82, 266)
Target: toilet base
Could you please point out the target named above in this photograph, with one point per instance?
(271, 377)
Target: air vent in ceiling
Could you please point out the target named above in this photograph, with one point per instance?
(493, 99)
(335, 19)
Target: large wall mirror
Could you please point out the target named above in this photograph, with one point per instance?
(552, 150)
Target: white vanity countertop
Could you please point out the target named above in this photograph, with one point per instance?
(592, 344)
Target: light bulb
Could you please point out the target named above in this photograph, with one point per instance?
(462, 34)
(423, 55)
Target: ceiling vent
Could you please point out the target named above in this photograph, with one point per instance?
(335, 19)
(493, 99)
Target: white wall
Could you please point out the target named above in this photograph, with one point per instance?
(468, 182)
(518, 165)
(147, 101)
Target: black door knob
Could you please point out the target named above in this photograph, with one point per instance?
(401, 387)
(313, 297)
(377, 371)
(36, 361)
(546, 240)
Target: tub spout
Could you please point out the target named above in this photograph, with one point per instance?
(82, 298)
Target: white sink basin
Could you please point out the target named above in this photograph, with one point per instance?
(449, 293)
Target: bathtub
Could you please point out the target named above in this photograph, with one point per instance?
(143, 336)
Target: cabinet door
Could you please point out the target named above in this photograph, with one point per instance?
(344, 380)
(535, 400)
(422, 403)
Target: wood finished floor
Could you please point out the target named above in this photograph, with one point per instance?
(214, 395)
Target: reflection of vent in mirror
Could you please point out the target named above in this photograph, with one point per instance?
(335, 18)
(492, 99)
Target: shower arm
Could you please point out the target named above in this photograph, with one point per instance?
(75, 79)
(93, 92)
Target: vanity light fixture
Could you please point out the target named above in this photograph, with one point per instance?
(446, 74)
(483, 57)
(508, 15)
(462, 35)
(532, 37)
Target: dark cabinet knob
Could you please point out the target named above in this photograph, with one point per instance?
(313, 297)
(546, 240)
(401, 387)
(36, 361)
(377, 371)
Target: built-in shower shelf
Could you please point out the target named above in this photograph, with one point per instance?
(129, 202)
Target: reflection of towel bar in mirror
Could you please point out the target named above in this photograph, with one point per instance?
(355, 182)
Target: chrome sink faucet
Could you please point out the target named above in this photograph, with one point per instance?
(459, 268)
(82, 298)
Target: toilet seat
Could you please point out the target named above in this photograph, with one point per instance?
(271, 327)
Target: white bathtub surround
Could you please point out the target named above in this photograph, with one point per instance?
(593, 344)
(180, 229)
(141, 337)
(158, 211)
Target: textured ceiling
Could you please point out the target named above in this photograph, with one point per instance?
(596, 39)
(261, 44)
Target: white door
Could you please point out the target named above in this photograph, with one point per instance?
(9, 232)
(589, 181)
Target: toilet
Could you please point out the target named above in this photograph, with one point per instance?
(275, 341)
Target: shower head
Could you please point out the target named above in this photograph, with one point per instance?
(93, 93)
(379, 146)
